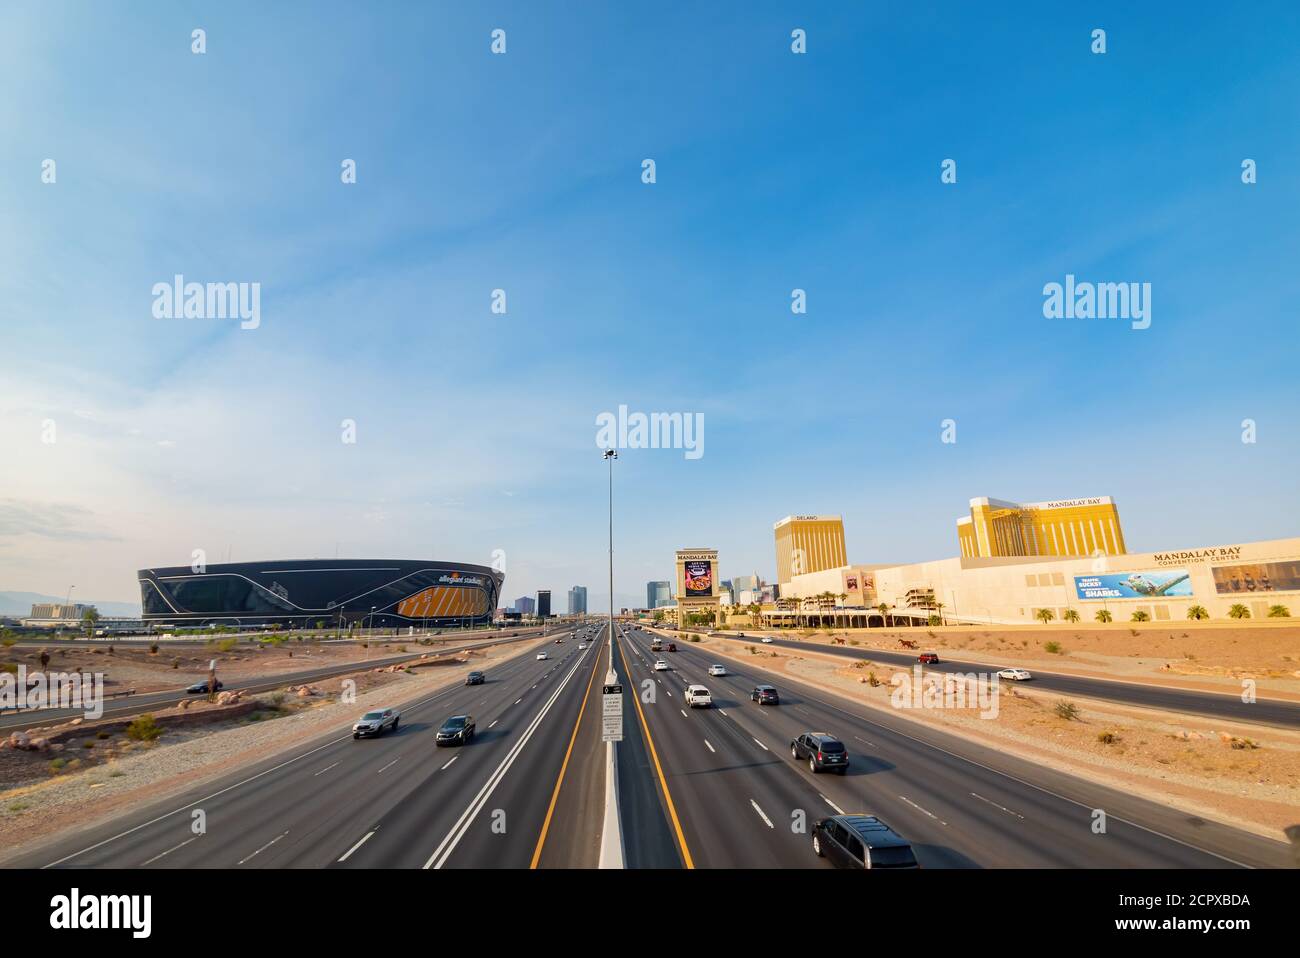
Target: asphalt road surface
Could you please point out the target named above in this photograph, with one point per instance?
(393, 801)
(1218, 705)
(739, 795)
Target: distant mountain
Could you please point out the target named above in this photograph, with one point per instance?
(20, 604)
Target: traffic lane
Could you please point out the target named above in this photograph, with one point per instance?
(1217, 705)
(470, 787)
(571, 836)
(162, 826)
(121, 706)
(738, 805)
(1058, 806)
(649, 838)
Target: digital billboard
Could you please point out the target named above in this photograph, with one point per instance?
(699, 578)
(1165, 583)
(1257, 577)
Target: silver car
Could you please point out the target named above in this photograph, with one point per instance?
(376, 723)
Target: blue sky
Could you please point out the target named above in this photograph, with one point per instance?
(522, 172)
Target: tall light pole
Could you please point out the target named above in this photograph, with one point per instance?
(610, 456)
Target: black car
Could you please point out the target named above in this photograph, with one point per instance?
(475, 678)
(765, 695)
(861, 841)
(822, 750)
(457, 730)
(201, 688)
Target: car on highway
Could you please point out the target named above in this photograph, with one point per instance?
(717, 669)
(581, 646)
(457, 730)
(661, 665)
(697, 696)
(767, 640)
(542, 655)
(765, 695)
(672, 646)
(475, 678)
(823, 751)
(861, 841)
(928, 658)
(376, 723)
(201, 688)
(1014, 675)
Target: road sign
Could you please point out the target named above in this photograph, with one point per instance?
(612, 715)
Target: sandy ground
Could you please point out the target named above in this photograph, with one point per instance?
(176, 665)
(1189, 655)
(129, 774)
(1244, 774)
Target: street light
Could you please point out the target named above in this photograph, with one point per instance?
(610, 456)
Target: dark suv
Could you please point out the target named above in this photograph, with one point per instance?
(765, 695)
(457, 730)
(475, 678)
(822, 750)
(861, 841)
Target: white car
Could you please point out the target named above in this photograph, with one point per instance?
(1014, 675)
(542, 655)
(376, 723)
(581, 646)
(717, 670)
(661, 666)
(697, 696)
(767, 640)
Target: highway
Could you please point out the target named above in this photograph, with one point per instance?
(397, 800)
(736, 790)
(13, 720)
(1213, 704)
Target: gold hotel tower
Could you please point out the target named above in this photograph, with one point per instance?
(1064, 527)
(809, 544)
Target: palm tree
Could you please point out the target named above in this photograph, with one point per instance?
(938, 607)
(883, 608)
(1140, 616)
(1197, 612)
(1045, 615)
(1103, 615)
(1279, 612)
(88, 619)
(1070, 615)
(1238, 611)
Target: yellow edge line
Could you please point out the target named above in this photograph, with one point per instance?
(555, 796)
(672, 810)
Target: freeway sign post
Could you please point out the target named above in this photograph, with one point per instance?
(612, 716)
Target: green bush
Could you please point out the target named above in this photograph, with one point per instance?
(144, 729)
(1053, 647)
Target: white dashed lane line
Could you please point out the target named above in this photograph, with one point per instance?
(448, 765)
(762, 746)
(169, 851)
(325, 769)
(348, 854)
(766, 821)
(264, 847)
(838, 810)
(386, 767)
(710, 747)
(996, 805)
(922, 810)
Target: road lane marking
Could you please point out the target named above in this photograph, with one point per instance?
(517, 701)
(264, 847)
(832, 804)
(683, 711)
(663, 782)
(711, 748)
(996, 805)
(364, 838)
(559, 781)
(458, 830)
(761, 745)
(494, 722)
(864, 741)
(389, 765)
(920, 809)
(448, 765)
(169, 851)
(720, 712)
(325, 769)
(765, 819)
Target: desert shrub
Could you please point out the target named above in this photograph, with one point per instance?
(1107, 738)
(1067, 710)
(58, 764)
(1053, 647)
(153, 649)
(103, 735)
(144, 729)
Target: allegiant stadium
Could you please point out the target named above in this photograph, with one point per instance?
(336, 592)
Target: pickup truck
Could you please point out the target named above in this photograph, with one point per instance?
(697, 696)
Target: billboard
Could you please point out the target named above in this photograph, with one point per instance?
(1257, 577)
(699, 578)
(1165, 583)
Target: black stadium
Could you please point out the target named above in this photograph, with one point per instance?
(336, 592)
